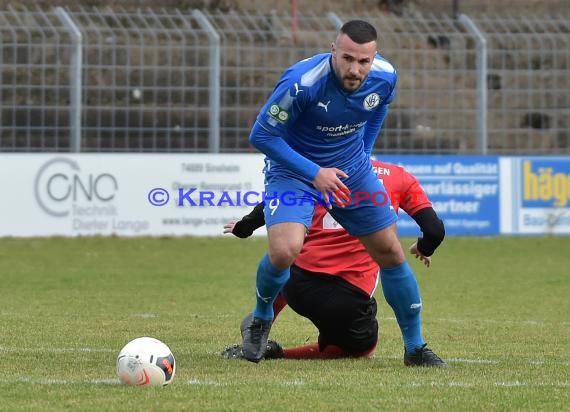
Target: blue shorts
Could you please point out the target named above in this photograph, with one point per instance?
(367, 206)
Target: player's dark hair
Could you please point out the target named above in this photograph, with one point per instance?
(359, 31)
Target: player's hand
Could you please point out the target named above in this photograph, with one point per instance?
(241, 228)
(426, 260)
(327, 181)
(229, 227)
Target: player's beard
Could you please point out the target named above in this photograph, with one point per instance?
(351, 83)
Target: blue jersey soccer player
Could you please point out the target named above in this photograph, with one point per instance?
(319, 126)
(333, 279)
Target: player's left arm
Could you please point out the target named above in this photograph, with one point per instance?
(373, 127)
(433, 231)
(386, 91)
(417, 204)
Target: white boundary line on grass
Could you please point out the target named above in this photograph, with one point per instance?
(536, 362)
(493, 321)
(454, 360)
(55, 350)
(47, 381)
(296, 382)
(522, 322)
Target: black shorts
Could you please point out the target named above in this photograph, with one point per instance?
(344, 315)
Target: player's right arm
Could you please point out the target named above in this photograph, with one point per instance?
(325, 180)
(283, 108)
(248, 224)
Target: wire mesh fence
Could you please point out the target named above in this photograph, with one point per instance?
(529, 84)
(34, 67)
(172, 81)
(142, 81)
(435, 110)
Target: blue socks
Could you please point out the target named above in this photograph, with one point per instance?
(401, 291)
(399, 285)
(268, 284)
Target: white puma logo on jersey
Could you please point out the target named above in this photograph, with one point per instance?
(324, 105)
(297, 90)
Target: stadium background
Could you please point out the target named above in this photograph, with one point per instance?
(188, 78)
(152, 80)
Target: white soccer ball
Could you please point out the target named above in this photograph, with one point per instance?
(146, 362)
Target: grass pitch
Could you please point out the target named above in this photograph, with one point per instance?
(496, 309)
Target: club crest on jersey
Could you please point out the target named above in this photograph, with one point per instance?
(371, 101)
(330, 223)
(278, 113)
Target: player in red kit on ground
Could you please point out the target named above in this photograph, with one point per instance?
(333, 280)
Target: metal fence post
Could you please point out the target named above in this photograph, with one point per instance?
(214, 81)
(481, 81)
(334, 19)
(74, 80)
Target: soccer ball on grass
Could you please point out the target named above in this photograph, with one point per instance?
(146, 362)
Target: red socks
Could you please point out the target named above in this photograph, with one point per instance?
(311, 351)
(278, 304)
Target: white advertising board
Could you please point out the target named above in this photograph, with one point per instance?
(126, 194)
(196, 194)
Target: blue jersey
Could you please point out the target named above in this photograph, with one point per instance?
(321, 121)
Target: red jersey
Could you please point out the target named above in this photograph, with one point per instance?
(329, 249)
